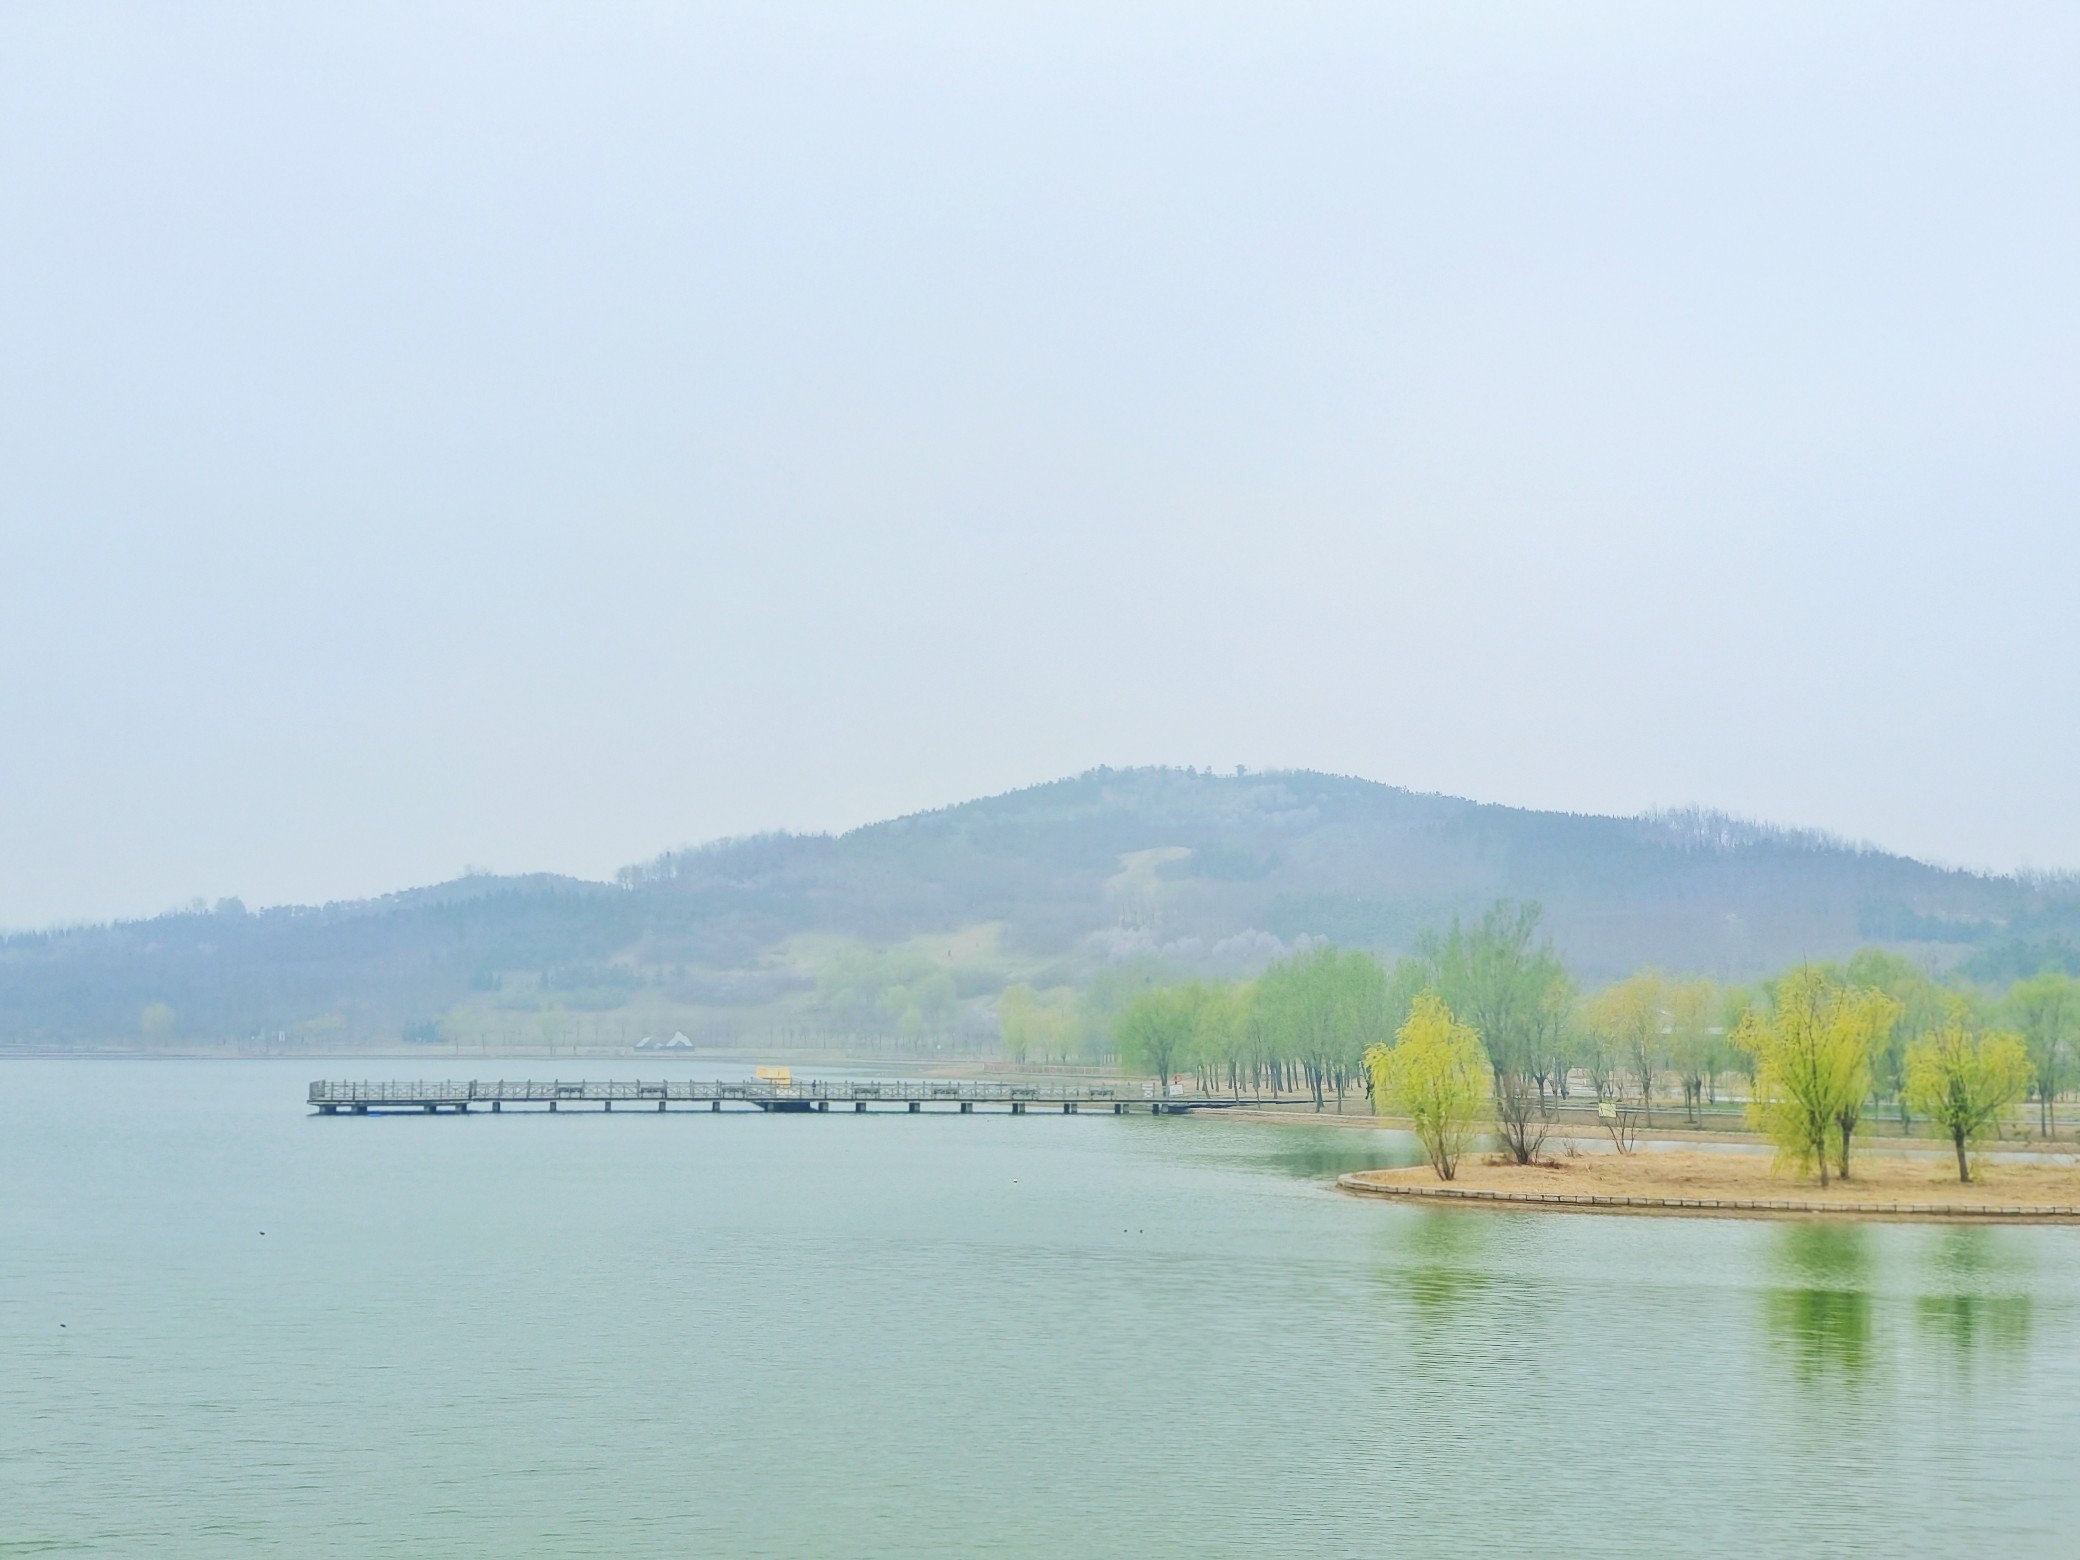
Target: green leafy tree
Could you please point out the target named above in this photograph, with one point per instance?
(1105, 999)
(1693, 1039)
(921, 1007)
(891, 992)
(1631, 1015)
(1016, 1026)
(1499, 975)
(1961, 1076)
(1323, 1009)
(1812, 1048)
(1434, 1073)
(1156, 1030)
(1735, 1003)
(2046, 1010)
(1556, 1037)
(1923, 1002)
(1406, 981)
(1220, 1043)
(1595, 1052)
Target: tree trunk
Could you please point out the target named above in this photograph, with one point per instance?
(1964, 1165)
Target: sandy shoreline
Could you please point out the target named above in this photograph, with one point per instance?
(1883, 1186)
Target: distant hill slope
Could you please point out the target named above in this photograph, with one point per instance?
(1207, 873)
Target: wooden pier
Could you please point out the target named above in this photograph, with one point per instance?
(914, 1098)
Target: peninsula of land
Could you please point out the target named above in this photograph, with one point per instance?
(1738, 1184)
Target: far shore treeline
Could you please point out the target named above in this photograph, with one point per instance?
(1484, 1023)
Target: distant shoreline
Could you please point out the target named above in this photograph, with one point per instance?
(431, 1061)
(1872, 1139)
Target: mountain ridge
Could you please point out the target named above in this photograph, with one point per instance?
(1199, 872)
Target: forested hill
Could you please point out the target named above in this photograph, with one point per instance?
(1054, 885)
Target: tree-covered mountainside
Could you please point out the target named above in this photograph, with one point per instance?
(911, 927)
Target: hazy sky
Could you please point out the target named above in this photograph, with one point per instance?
(535, 436)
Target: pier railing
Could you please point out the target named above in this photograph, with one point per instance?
(332, 1097)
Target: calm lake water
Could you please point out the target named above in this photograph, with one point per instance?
(634, 1335)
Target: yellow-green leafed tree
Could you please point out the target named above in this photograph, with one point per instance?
(1962, 1076)
(1631, 1017)
(1693, 1005)
(1436, 1074)
(1037, 1025)
(1812, 1047)
(2046, 1010)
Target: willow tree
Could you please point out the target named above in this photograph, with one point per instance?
(1221, 1035)
(1501, 977)
(1015, 1026)
(1693, 1039)
(1324, 1009)
(1631, 1017)
(1812, 1047)
(1961, 1076)
(1923, 1003)
(1435, 1074)
(1156, 1029)
(1406, 981)
(1037, 1023)
(1728, 1055)
(2046, 1010)
(1555, 1037)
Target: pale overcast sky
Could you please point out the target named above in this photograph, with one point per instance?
(535, 436)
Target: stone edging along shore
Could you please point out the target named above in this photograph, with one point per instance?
(1736, 1207)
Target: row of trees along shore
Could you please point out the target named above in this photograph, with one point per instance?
(1484, 1025)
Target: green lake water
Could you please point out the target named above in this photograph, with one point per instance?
(895, 1335)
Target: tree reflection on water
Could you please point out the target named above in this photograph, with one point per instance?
(1438, 1258)
(1978, 1300)
(1820, 1310)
